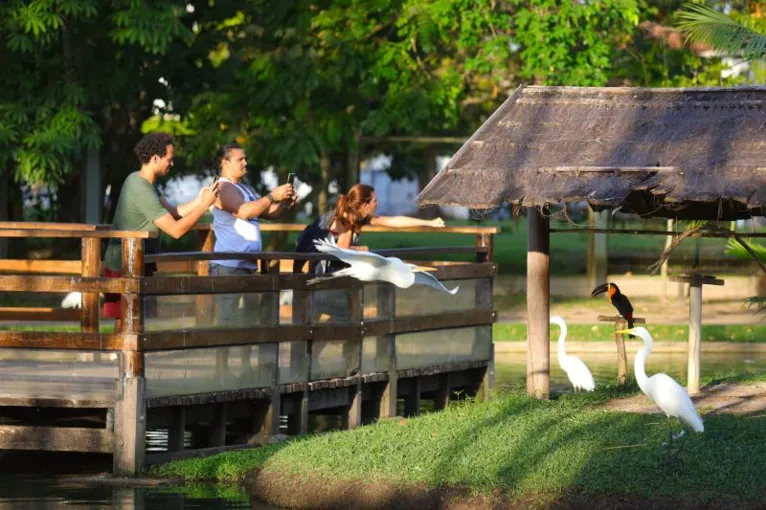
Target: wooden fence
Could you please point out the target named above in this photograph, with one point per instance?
(225, 357)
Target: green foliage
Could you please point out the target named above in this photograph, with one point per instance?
(735, 249)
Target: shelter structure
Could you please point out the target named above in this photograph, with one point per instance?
(693, 153)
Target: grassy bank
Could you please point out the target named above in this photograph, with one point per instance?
(516, 332)
(510, 332)
(516, 447)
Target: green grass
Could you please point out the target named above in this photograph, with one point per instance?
(509, 332)
(519, 446)
(517, 332)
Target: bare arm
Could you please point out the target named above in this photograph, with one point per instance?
(176, 228)
(231, 200)
(179, 211)
(404, 222)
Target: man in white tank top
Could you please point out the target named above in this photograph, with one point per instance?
(235, 223)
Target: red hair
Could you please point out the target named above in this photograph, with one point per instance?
(348, 208)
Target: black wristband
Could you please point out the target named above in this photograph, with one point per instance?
(271, 199)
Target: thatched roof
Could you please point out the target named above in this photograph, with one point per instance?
(686, 153)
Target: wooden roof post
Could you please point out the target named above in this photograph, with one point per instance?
(538, 304)
(695, 281)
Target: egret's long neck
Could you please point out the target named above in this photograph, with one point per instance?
(639, 363)
(562, 339)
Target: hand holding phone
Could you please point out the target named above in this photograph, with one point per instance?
(291, 179)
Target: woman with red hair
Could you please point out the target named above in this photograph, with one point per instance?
(353, 211)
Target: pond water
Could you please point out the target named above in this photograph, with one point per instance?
(50, 483)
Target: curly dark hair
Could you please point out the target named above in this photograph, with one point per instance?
(224, 152)
(153, 144)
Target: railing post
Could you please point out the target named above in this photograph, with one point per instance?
(269, 412)
(485, 240)
(352, 349)
(301, 310)
(91, 268)
(386, 307)
(484, 301)
(130, 408)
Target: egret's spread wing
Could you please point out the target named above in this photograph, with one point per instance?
(431, 281)
(350, 256)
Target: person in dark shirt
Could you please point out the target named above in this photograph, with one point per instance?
(344, 224)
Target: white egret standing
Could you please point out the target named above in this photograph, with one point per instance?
(576, 370)
(669, 396)
(368, 267)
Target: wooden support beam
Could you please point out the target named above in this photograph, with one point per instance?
(40, 266)
(91, 268)
(352, 351)
(443, 394)
(538, 304)
(412, 399)
(58, 439)
(487, 382)
(177, 429)
(218, 432)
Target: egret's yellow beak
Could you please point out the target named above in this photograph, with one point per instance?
(424, 268)
(628, 331)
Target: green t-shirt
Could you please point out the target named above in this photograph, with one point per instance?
(137, 208)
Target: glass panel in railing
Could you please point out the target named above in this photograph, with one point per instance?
(378, 300)
(293, 362)
(64, 374)
(422, 299)
(332, 306)
(206, 370)
(375, 354)
(429, 348)
(334, 358)
(210, 311)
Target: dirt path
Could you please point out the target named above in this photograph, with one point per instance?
(726, 398)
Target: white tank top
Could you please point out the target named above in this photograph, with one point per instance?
(236, 234)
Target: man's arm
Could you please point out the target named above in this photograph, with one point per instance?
(176, 228)
(404, 222)
(181, 210)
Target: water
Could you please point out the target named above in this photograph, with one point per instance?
(51, 487)
(28, 491)
(510, 368)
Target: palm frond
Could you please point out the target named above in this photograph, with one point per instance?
(735, 249)
(703, 25)
(759, 303)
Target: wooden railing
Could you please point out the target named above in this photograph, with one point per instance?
(369, 313)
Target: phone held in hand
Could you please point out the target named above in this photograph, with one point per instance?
(291, 179)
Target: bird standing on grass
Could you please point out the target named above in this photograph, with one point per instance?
(618, 300)
(368, 267)
(576, 370)
(669, 396)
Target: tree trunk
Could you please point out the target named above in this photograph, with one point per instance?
(324, 181)
(5, 185)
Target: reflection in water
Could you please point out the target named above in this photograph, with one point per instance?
(510, 368)
(31, 491)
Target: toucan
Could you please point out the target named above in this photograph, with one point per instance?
(618, 300)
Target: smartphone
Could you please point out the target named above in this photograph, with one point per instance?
(291, 179)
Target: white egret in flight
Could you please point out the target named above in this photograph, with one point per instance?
(368, 267)
(669, 396)
(578, 373)
(72, 300)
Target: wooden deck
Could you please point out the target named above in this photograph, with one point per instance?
(229, 359)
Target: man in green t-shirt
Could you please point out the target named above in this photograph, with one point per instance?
(140, 207)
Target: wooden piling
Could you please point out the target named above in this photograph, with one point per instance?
(619, 339)
(538, 304)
